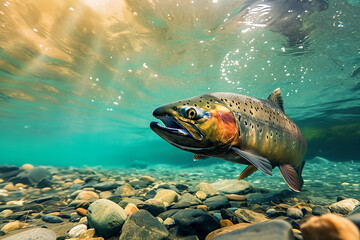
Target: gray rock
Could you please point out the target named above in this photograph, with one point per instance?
(232, 186)
(227, 214)
(195, 222)
(207, 188)
(272, 213)
(51, 219)
(271, 230)
(34, 234)
(355, 210)
(105, 186)
(77, 230)
(320, 210)
(153, 206)
(249, 216)
(44, 199)
(344, 206)
(126, 201)
(294, 213)
(32, 176)
(8, 171)
(142, 225)
(106, 217)
(44, 182)
(217, 202)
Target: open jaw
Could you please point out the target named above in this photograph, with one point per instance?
(171, 126)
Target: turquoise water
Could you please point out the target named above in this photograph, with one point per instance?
(79, 79)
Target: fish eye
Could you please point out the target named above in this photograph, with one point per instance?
(191, 113)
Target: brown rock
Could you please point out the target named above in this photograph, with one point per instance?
(166, 195)
(87, 234)
(5, 213)
(10, 187)
(224, 230)
(235, 197)
(250, 216)
(330, 227)
(130, 208)
(11, 226)
(26, 166)
(84, 195)
(81, 212)
(202, 207)
(200, 195)
(225, 223)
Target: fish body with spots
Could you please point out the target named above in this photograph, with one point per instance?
(237, 128)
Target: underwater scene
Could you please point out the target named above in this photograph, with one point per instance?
(179, 119)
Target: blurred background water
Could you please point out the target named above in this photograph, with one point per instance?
(79, 78)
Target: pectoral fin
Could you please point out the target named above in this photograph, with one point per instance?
(291, 177)
(263, 164)
(247, 172)
(198, 157)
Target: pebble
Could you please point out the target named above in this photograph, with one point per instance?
(26, 166)
(75, 218)
(142, 225)
(130, 208)
(32, 176)
(5, 213)
(271, 213)
(201, 195)
(11, 226)
(147, 180)
(106, 217)
(34, 234)
(166, 195)
(226, 223)
(81, 212)
(169, 222)
(202, 207)
(232, 186)
(77, 231)
(344, 206)
(153, 205)
(10, 187)
(329, 226)
(105, 194)
(235, 197)
(250, 216)
(125, 190)
(217, 202)
(320, 210)
(198, 222)
(51, 219)
(86, 195)
(294, 213)
(105, 186)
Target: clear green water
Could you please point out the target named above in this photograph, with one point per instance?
(79, 78)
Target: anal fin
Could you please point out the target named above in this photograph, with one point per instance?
(291, 177)
(247, 172)
(263, 164)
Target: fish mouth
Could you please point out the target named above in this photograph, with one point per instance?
(170, 126)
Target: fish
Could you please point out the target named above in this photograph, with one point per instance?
(236, 128)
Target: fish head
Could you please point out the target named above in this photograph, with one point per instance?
(202, 125)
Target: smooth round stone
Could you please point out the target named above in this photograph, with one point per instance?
(271, 212)
(294, 213)
(106, 217)
(86, 195)
(153, 206)
(11, 226)
(77, 231)
(250, 216)
(320, 210)
(200, 195)
(5, 213)
(217, 202)
(125, 190)
(81, 212)
(105, 186)
(26, 166)
(193, 221)
(235, 197)
(51, 219)
(169, 222)
(232, 186)
(167, 195)
(147, 179)
(88, 234)
(344, 206)
(35, 233)
(130, 208)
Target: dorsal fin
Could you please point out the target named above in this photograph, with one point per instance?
(276, 98)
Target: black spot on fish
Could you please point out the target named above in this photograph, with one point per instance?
(245, 122)
(257, 125)
(230, 105)
(251, 112)
(207, 102)
(267, 137)
(275, 140)
(244, 110)
(195, 105)
(211, 100)
(208, 106)
(200, 101)
(260, 129)
(174, 108)
(239, 118)
(271, 134)
(246, 104)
